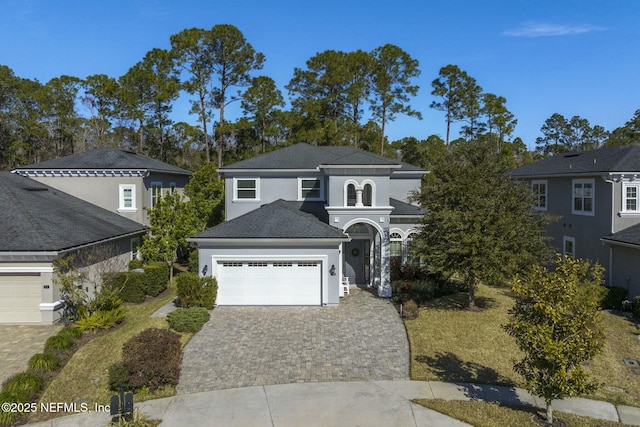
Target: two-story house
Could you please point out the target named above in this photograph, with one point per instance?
(39, 225)
(301, 219)
(596, 195)
(117, 180)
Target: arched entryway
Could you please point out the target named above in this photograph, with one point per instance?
(365, 259)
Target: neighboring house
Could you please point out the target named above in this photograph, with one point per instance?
(301, 218)
(40, 224)
(596, 194)
(117, 180)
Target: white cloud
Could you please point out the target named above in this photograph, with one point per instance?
(550, 30)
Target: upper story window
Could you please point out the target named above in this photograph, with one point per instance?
(310, 189)
(156, 192)
(583, 196)
(367, 195)
(127, 197)
(630, 194)
(351, 195)
(246, 189)
(539, 190)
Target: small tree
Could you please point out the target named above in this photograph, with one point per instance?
(556, 322)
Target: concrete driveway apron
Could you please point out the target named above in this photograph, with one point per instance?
(361, 339)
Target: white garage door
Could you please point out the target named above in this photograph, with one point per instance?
(269, 283)
(20, 298)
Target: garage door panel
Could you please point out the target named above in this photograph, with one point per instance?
(20, 298)
(269, 283)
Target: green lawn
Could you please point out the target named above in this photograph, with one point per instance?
(85, 376)
(484, 414)
(449, 343)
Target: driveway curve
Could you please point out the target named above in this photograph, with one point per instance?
(361, 339)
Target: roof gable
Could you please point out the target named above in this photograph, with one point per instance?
(603, 160)
(106, 158)
(277, 220)
(36, 217)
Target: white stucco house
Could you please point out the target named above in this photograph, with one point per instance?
(301, 219)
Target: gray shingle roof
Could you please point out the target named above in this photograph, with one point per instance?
(603, 160)
(629, 235)
(277, 220)
(36, 217)
(305, 156)
(107, 158)
(403, 208)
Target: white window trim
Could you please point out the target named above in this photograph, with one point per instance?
(154, 184)
(593, 196)
(546, 194)
(135, 243)
(566, 239)
(246, 178)
(121, 207)
(301, 198)
(624, 211)
(373, 191)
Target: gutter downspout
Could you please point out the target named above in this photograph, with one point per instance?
(612, 182)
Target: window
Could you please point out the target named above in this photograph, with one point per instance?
(156, 192)
(246, 188)
(407, 247)
(569, 246)
(310, 189)
(172, 187)
(539, 190)
(351, 195)
(583, 195)
(127, 198)
(395, 245)
(630, 192)
(367, 195)
(135, 248)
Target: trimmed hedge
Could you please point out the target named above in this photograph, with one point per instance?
(131, 285)
(156, 276)
(153, 358)
(118, 375)
(194, 291)
(188, 319)
(614, 297)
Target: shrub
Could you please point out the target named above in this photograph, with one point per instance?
(44, 362)
(194, 291)
(156, 277)
(135, 263)
(153, 358)
(101, 319)
(28, 383)
(130, 285)
(118, 375)
(106, 300)
(9, 418)
(636, 307)
(188, 319)
(395, 266)
(410, 310)
(58, 342)
(614, 297)
(72, 332)
(194, 261)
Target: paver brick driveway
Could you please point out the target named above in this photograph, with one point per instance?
(19, 343)
(362, 338)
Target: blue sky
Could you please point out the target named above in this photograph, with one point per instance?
(570, 57)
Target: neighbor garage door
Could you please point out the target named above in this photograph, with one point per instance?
(269, 283)
(20, 298)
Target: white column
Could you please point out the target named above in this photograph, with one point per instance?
(384, 289)
(358, 196)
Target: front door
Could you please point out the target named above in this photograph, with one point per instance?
(357, 261)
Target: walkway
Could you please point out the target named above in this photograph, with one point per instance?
(375, 404)
(361, 339)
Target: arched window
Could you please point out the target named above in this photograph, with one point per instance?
(367, 195)
(351, 195)
(407, 247)
(395, 245)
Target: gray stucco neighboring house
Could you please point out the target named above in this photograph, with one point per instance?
(40, 224)
(301, 219)
(117, 180)
(596, 194)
